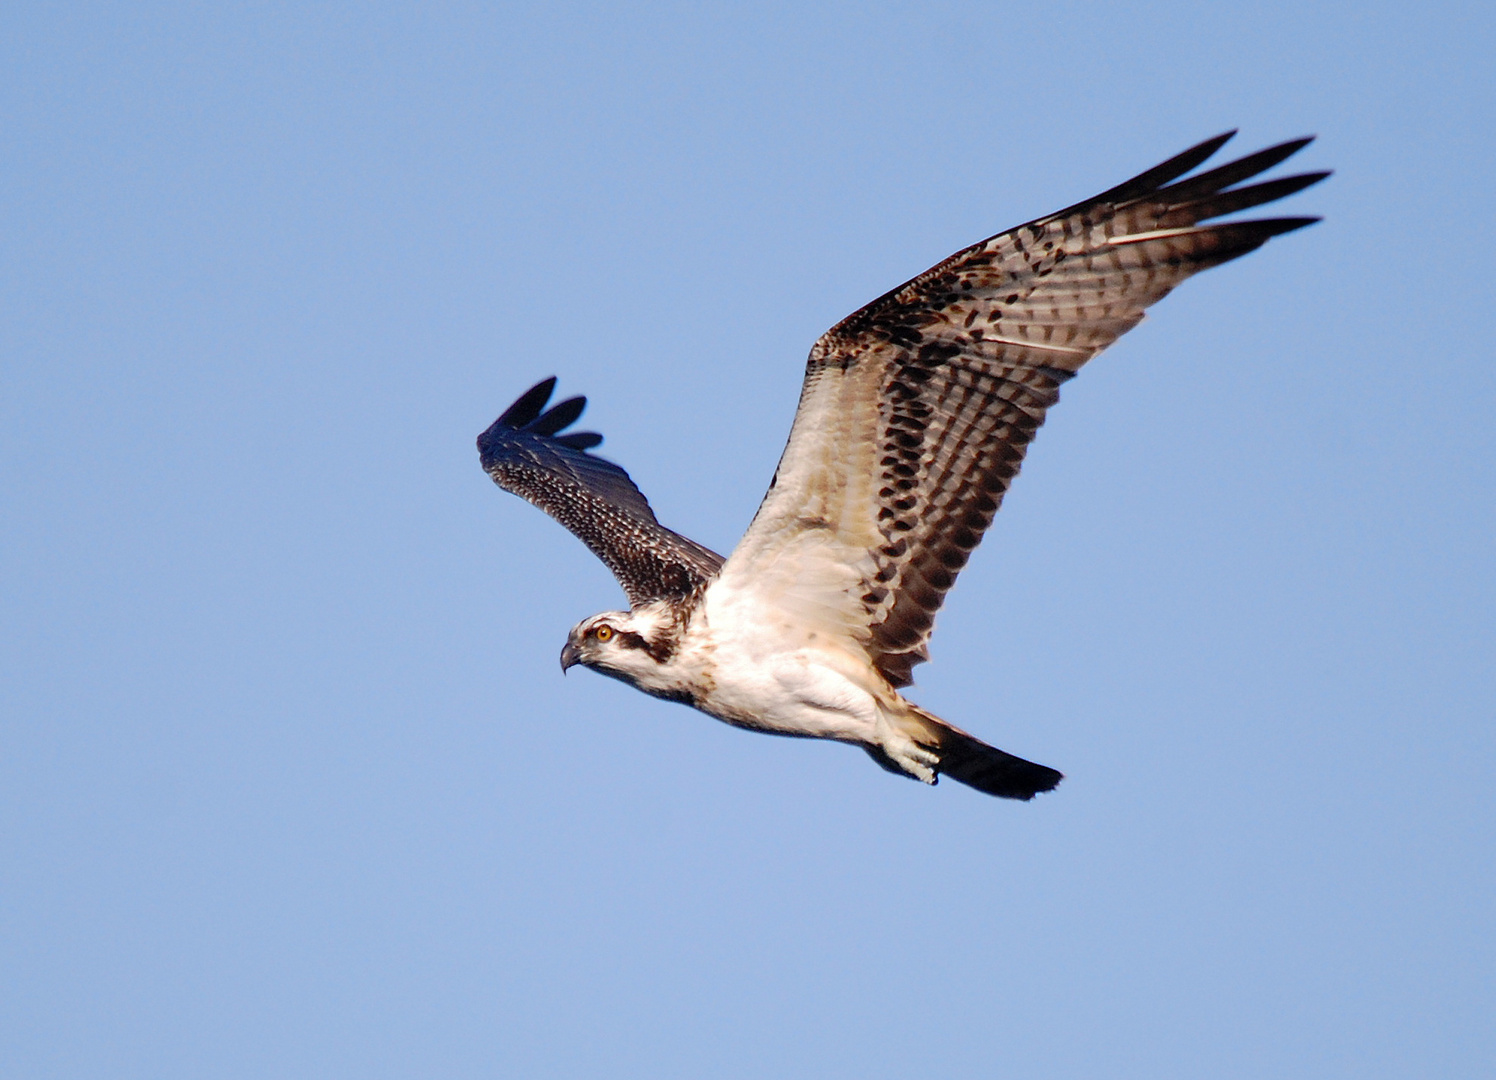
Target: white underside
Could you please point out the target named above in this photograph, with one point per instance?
(754, 666)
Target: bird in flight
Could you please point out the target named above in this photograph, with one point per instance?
(913, 420)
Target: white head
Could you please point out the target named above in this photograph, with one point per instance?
(635, 646)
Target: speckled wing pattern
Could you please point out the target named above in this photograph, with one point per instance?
(916, 411)
(525, 452)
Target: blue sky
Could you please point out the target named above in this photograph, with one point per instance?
(291, 783)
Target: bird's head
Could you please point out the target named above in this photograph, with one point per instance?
(628, 645)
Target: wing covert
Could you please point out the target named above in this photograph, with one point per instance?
(525, 453)
(917, 410)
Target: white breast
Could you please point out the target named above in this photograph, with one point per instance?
(772, 672)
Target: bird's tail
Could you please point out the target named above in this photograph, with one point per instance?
(968, 759)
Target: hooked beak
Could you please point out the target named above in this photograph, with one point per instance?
(570, 656)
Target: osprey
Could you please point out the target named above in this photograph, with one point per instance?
(913, 420)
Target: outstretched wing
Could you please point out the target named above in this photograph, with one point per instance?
(525, 453)
(917, 410)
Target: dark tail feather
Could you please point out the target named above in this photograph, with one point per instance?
(968, 759)
(991, 770)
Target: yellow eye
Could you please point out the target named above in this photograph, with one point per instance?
(603, 633)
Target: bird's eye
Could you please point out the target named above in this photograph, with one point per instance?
(603, 633)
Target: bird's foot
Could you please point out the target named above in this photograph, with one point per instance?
(917, 761)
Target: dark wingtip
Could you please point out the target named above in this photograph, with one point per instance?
(1172, 169)
(528, 405)
(1219, 180)
(524, 410)
(1308, 179)
(1145, 183)
(529, 414)
(1279, 226)
(1214, 143)
(560, 416)
(1196, 155)
(580, 440)
(1287, 149)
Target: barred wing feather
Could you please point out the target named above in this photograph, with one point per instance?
(917, 410)
(525, 452)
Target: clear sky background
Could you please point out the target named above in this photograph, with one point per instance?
(290, 782)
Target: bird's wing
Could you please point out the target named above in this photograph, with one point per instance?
(917, 410)
(525, 453)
